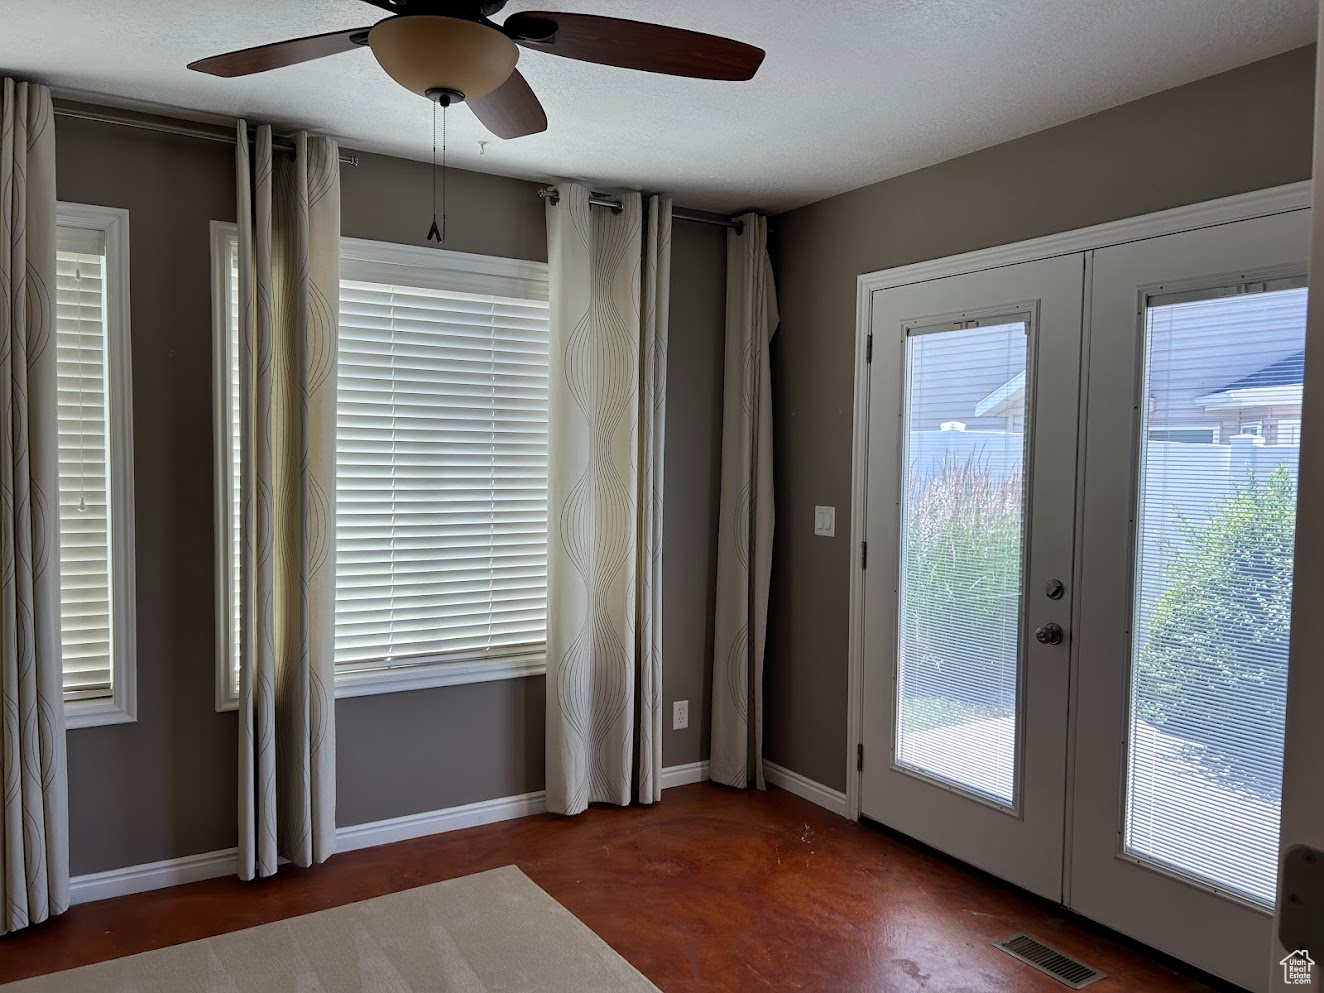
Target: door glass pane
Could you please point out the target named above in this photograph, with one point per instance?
(1216, 520)
(962, 523)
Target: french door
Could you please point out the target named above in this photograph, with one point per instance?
(1080, 517)
(1188, 512)
(972, 474)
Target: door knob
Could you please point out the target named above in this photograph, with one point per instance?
(1049, 634)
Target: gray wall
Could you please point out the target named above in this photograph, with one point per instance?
(692, 482)
(1242, 130)
(166, 786)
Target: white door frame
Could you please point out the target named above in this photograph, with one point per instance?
(1260, 203)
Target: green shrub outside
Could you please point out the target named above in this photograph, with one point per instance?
(961, 597)
(1213, 669)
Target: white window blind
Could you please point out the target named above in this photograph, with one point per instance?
(963, 521)
(235, 492)
(85, 532)
(441, 464)
(441, 475)
(1213, 589)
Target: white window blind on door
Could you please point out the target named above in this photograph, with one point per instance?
(85, 536)
(1215, 526)
(441, 475)
(963, 523)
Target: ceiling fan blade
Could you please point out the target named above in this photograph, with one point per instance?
(282, 53)
(511, 110)
(635, 45)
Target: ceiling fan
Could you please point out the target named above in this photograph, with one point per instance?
(451, 52)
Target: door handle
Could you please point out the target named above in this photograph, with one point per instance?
(1049, 634)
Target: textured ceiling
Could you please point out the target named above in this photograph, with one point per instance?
(853, 91)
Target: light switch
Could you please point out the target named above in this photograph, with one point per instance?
(825, 521)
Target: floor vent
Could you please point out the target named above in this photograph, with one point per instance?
(1063, 968)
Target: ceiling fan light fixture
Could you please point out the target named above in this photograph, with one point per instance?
(429, 54)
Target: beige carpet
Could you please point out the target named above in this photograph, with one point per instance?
(494, 932)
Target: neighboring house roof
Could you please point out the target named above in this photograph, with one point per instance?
(1009, 396)
(1287, 371)
(1276, 384)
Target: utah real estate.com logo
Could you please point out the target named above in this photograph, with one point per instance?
(1297, 968)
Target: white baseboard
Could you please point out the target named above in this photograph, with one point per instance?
(814, 792)
(153, 876)
(210, 865)
(387, 832)
(683, 775)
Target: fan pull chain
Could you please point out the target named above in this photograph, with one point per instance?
(434, 234)
(443, 171)
(434, 174)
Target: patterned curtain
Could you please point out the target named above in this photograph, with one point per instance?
(609, 297)
(652, 428)
(289, 302)
(34, 809)
(744, 538)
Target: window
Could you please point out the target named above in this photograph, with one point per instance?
(97, 614)
(1216, 526)
(962, 543)
(441, 468)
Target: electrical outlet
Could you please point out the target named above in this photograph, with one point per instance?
(680, 715)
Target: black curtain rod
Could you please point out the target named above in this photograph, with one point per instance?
(166, 125)
(602, 200)
(189, 129)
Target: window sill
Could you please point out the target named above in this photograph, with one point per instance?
(372, 682)
(95, 714)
